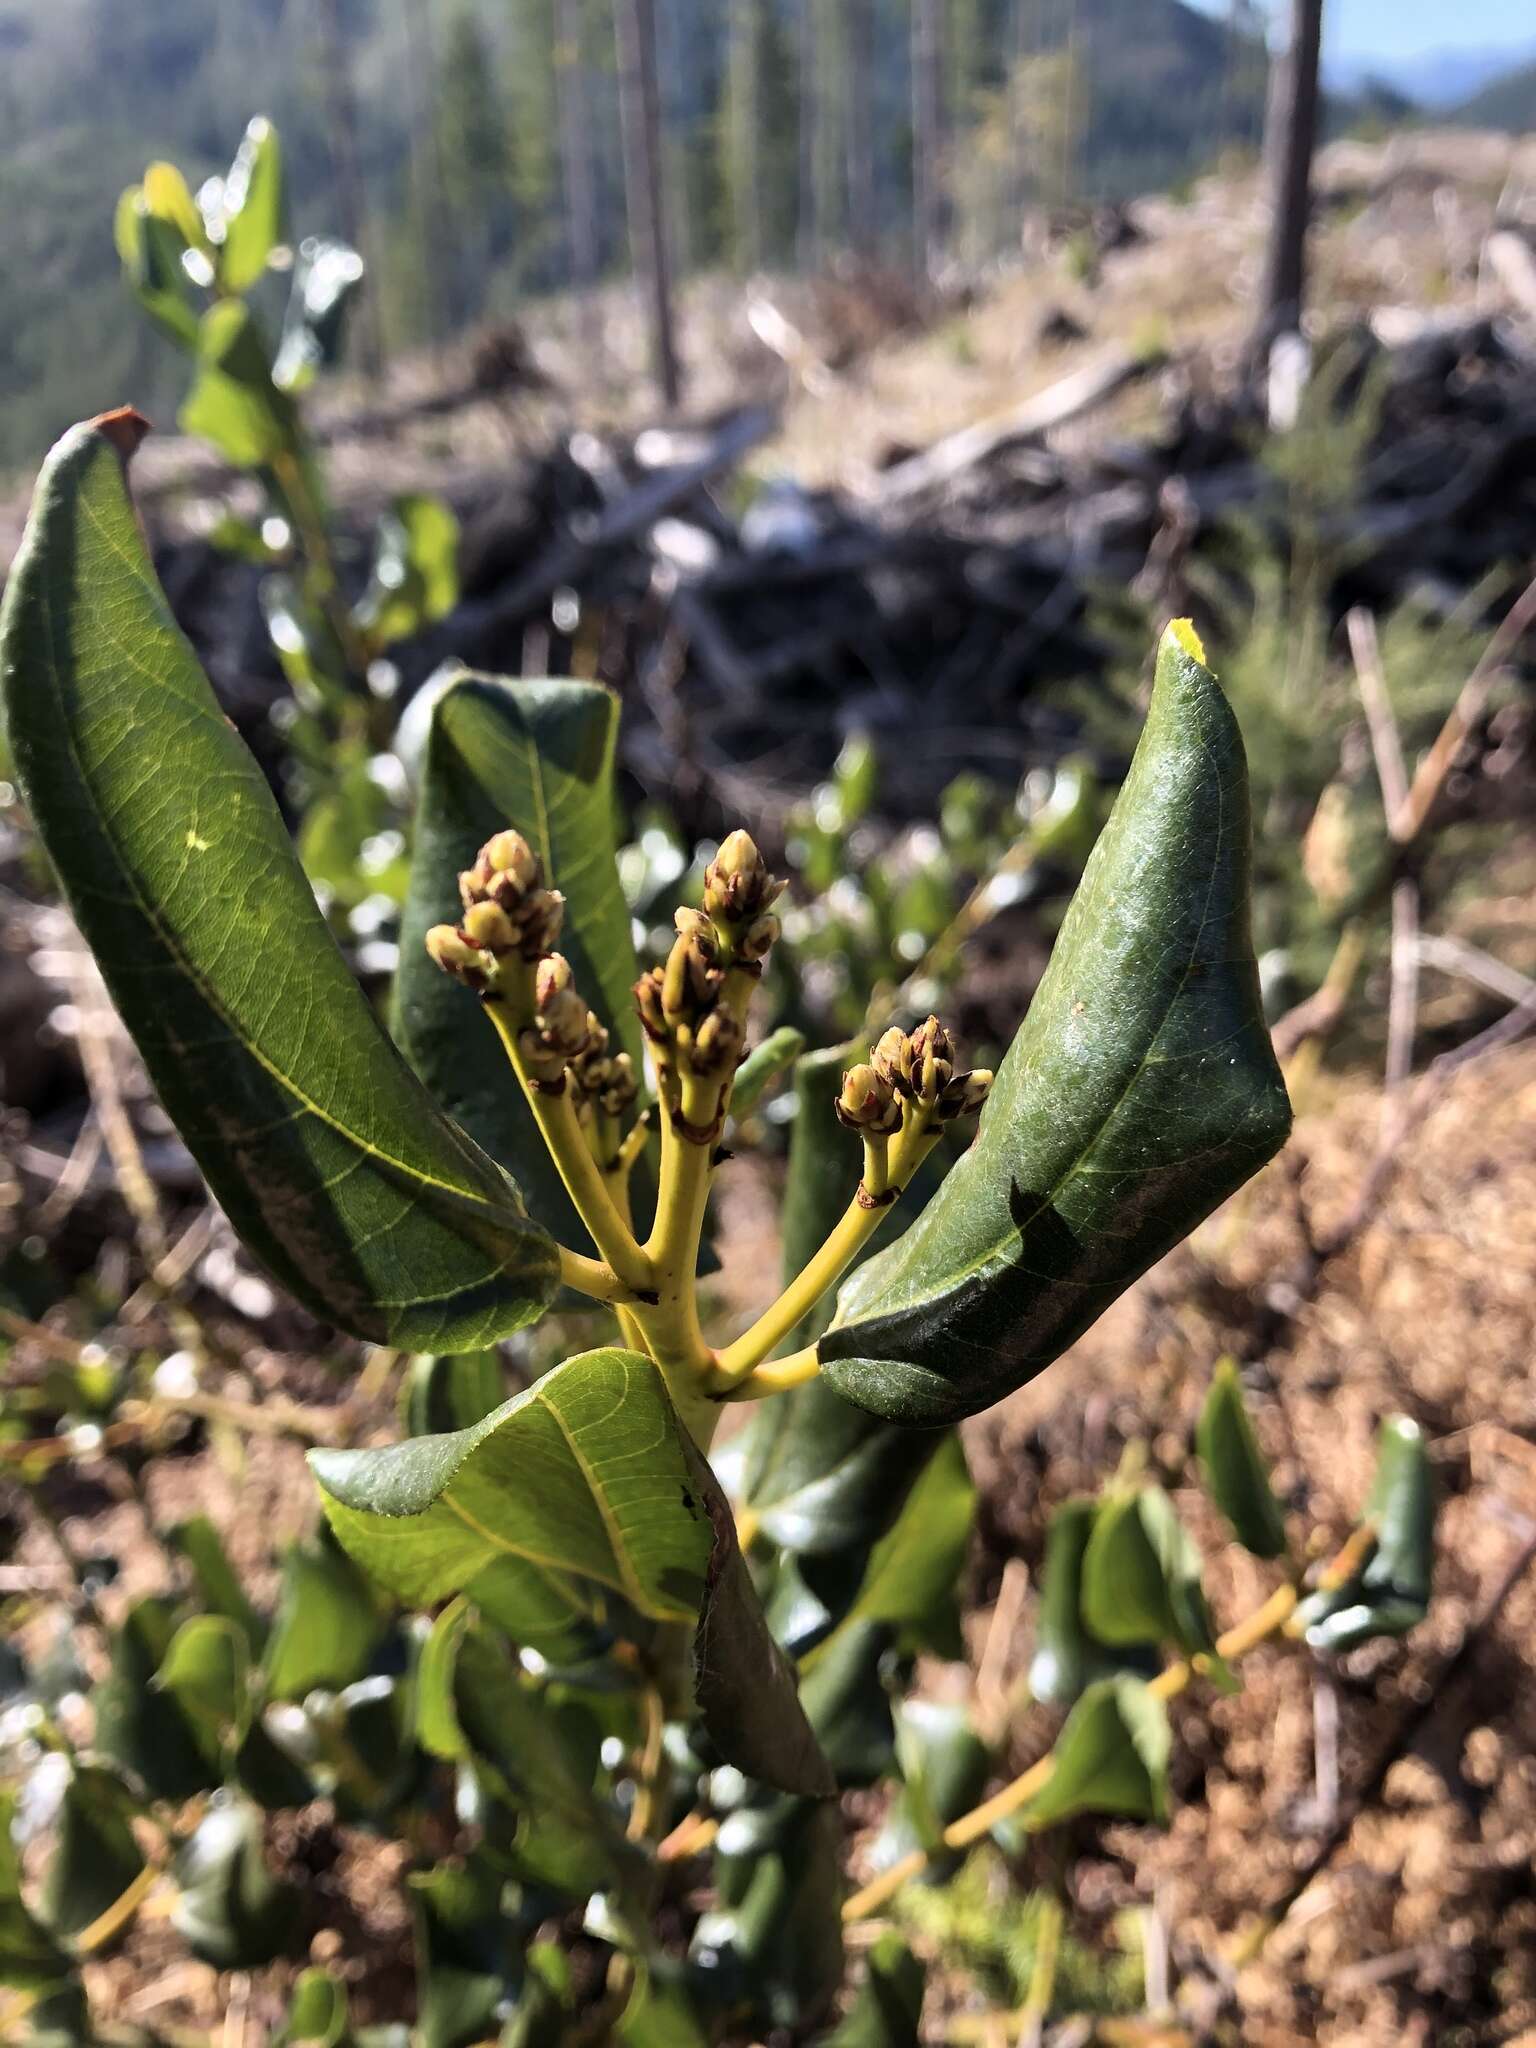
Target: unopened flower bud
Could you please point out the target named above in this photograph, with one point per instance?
(691, 978)
(966, 1093)
(737, 885)
(717, 1044)
(917, 1064)
(457, 955)
(505, 870)
(553, 978)
(868, 1102)
(562, 1023)
(653, 1016)
(542, 916)
(488, 926)
(756, 942)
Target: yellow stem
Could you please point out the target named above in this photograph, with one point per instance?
(783, 1375)
(561, 1129)
(672, 1323)
(1264, 1622)
(850, 1234)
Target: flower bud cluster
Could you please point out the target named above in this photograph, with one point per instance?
(911, 1066)
(739, 895)
(507, 911)
(603, 1077)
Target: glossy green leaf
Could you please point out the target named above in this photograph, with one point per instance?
(330, 1159)
(326, 276)
(251, 208)
(218, 1585)
(944, 1769)
(415, 577)
(573, 1490)
(888, 2010)
(151, 251)
(1141, 1090)
(1141, 1575)
(1067, 1658)
(231, 1911)
(95, 1856)
(463, 1965)
(326, 1624)
(517, 1739)
(1111, 1757)
(539, 756)
(580, 1495)
(1390, 1594)
(771, 1949)
(233, 403)
(143, 1731)
(763, 1066)
(317, 2012)
(442, 1394)
(206, 1670)
(30, 1959)
(912, 1570)
(1235, 1471)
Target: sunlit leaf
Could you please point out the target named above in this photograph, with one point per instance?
(1390, 1593)
(1141, 1575)
(1234, 1466)
(331, 1160)
(1111, 1757)
(231, 1911)
(251, 207)
(1140, 1091)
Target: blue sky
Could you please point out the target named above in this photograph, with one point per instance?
(1410, 28)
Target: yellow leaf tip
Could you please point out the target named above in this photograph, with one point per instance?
(1183, 632)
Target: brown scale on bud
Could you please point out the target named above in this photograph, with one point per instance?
(648, 1001)
(965, 1094)
(456, 954)
(505, 899)
(920, 1064)
(738, 889)
(717, 1044)
(868, 1102)
(692, 978)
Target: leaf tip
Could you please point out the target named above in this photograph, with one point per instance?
(1183, 635)
(125, 427)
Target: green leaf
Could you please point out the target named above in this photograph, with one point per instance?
(207, 1671)
(1235, 1470)
(762, 1067)
(944, 1769)
(1141, 1090)
(659, 2013)
(326, 1625)
(571, 1504)
(330, 1159)
(200, 1543)
(168, 198)
(233, 402)
(1141, 1576)
(317, 2012)
(143, 1731)
(912, 1570)
(30, 1959)
(573, 1490)
(1067, 1658)
(415, 570)
(1390, 1594)
(847, 1699)
(1111, 1757)
(231, 1911)
(463, 1964)
(251, 208)
(888, 2011)
(538, 756)
(325, 278)
(151, 251)
(772, 1947)
(442, 1394)
(95, 1857)
(855, 778)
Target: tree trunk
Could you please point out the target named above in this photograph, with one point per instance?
(341, 116)
(573, 122)
(439, 246)
(927, 135)
(644, 186)
(858, 127)
(1289, 141)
